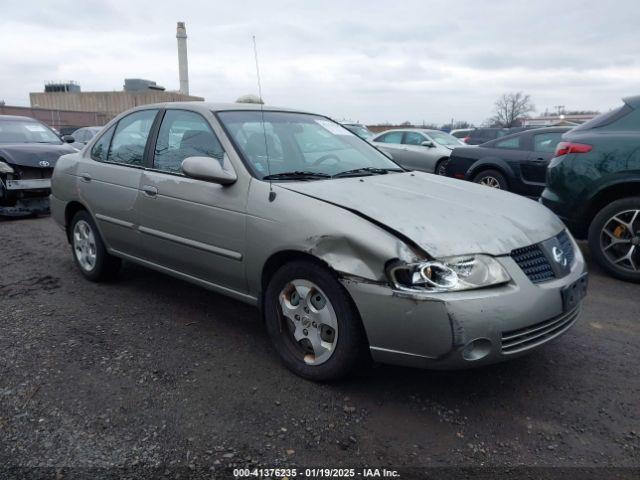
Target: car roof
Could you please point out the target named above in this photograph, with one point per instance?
(534, 131)
(217, 107)
(18, 117)
(632, 101)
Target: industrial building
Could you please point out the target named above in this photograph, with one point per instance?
(68, 96)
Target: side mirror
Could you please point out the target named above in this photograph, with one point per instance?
(210, 169)
(68, 138)
(428, 144)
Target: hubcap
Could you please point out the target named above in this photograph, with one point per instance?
(490, 182)
(309, 321)
(620, 240)
(84, 245)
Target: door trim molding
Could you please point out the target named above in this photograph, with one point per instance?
(115, 221)
(223, 252)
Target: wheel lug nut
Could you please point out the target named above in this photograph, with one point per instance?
(306, 309)
(306, 332)
(297, 317)
(313, 324)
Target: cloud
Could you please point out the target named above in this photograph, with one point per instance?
(359, 60)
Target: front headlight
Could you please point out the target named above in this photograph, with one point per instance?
(5, 168)
(448, 274)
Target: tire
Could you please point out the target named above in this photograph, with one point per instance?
(606, 248)
(88, 249)
(492, 178)
(349, 347)
(441, 167)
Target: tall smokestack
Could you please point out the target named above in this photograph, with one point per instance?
(183, 65)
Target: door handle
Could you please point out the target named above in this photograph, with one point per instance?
(149, 190)
(85, 177)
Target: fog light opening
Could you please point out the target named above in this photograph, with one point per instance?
(476, 349)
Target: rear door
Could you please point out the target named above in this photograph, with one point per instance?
(191, 226)
(391, 142)
(110, 177)
(543, 146)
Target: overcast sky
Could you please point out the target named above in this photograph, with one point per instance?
(365, 61)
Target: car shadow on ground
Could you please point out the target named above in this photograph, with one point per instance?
(235, 318)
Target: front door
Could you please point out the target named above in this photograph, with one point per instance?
(191, 226)
(109, 179)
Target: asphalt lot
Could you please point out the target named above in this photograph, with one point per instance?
(154, 371)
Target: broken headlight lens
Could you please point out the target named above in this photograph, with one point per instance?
(5, 168)
(448, 274)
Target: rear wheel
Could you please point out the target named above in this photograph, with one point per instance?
(312, 322)
(614, 239)
(492, 178)
(89, 251)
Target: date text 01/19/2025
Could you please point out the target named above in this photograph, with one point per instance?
(315, 472)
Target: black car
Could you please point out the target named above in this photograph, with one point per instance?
(28, 152)
(478, 136)
(516, 162)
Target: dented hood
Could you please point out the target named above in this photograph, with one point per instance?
(442, 215)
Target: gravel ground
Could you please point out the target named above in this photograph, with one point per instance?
(152, 371)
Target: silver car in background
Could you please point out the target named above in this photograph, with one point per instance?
(418, 148)
(349, 257)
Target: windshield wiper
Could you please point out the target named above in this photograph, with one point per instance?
(366, 171)
(296, 175)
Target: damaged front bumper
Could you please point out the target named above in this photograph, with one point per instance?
(466, 328)
(19, 198)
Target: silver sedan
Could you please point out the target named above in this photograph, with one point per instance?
(349, 257)
(418, 148)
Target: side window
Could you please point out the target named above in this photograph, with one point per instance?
(184, 134)
(101, 147)
(391, 137)
(512, 143)
(413, 138)
(546, 142)
(79, 135)
(130, 138)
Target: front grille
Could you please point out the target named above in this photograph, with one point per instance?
(516, 341)
(32, 173)
(535, 260)
(533, 263)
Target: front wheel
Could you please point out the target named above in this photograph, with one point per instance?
(89, 251)
(614, 239)
(492, 179)
(441, 167)
(313, 323)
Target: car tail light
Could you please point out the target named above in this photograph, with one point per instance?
(565, 148)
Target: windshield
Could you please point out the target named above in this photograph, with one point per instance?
(297, 142)
(444, 138)
(25, 131)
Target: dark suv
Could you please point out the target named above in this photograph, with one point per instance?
(593, 184)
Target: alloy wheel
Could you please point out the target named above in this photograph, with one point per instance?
(84, 245)
(490, 181)
(309, 321)
(620, 240)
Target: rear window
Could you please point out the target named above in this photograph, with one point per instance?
(606, 118)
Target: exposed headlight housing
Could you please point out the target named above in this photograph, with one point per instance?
(450, 274)
(5, 168)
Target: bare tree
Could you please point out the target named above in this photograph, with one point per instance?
(510, 107)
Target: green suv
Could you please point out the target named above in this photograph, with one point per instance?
(593, 185)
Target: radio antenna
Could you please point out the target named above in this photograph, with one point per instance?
(272, 194)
